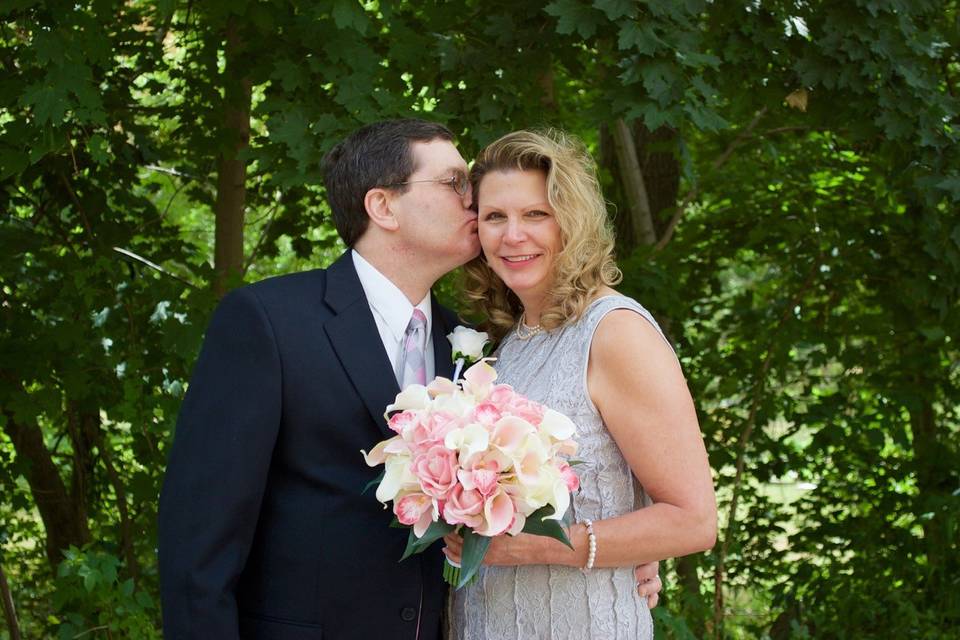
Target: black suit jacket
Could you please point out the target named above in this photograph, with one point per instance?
(264, 532)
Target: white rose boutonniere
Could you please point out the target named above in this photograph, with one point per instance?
(469, 344)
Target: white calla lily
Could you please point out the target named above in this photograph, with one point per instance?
(414, 397)
(397, 476)
(510, 433)
(557, 425)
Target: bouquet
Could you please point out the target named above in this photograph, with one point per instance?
(474, 456)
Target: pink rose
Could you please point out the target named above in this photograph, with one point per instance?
(436, 469)
(464, 506)
(569, 477)
(434, 428)
(414, 509)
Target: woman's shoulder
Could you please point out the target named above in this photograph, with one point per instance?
(614, 316)
(608, 299)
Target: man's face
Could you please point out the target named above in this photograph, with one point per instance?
(436, 224)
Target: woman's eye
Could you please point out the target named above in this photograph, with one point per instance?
(493, 216)
(536, 213)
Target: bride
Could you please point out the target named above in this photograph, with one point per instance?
(570, 341)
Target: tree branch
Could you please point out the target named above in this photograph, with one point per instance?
(9, 611)
(126, 527)
(60, 521)
(76, 203)
(695, 190)
(745, 434)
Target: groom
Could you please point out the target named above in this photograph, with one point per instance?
(264, 532)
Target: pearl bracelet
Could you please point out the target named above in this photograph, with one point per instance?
(592, 540)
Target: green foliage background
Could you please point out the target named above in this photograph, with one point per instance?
(801, 168)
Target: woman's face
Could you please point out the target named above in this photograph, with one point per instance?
(518, 229)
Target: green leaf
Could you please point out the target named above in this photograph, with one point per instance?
(12, 162)
(97, 148)
(641, 37)
(434, 532)
(933, 334)
(573, 17)
(616, 9)
(951, 185)
(292, 131)
(288, 73)
(49, 103)
(474, 548)
(11, 6)
(165, 8)
(90, 579)
(374, 482)
(538, 526)
(657, 77)
(348, 14)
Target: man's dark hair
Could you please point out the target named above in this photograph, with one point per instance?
(375, 155)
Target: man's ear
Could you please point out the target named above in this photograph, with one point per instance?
(379, 205)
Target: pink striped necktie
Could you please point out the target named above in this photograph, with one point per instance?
(413, 365)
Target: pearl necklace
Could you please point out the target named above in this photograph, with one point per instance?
(523, 331)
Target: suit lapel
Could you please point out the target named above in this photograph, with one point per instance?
(356, 340)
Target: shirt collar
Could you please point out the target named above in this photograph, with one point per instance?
(387, 301)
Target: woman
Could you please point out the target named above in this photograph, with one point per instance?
(573, 343)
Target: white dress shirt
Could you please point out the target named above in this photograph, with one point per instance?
(392, 312)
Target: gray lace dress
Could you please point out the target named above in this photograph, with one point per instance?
(541, 602)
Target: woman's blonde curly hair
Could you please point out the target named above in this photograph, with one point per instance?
(584, 264)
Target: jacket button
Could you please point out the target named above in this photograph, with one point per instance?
(408, 613)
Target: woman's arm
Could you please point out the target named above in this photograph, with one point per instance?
(636, 383)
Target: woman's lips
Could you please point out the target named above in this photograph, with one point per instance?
(519, 261)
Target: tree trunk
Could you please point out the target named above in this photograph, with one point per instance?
(65, 525)
(548, 98)
(661, 171)
(635, 189)
(622, 222)
(126, 525)
(9, 611)
(935, 485)
(83, 426)
(231, 170)
(692, 604)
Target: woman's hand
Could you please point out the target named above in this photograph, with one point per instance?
(522, 548)
(649, 583)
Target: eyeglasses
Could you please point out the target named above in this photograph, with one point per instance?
(458, 182)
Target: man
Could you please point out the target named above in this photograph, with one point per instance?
(264, 531)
